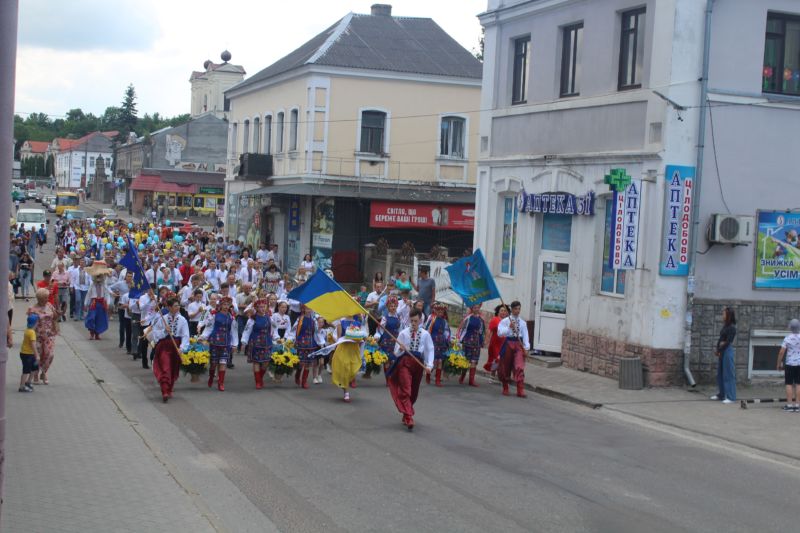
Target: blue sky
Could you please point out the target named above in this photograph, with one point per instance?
(83, 53)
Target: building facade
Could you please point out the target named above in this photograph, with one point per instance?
(76, 159)
(581, 94)
(210, 84)
(364, 131)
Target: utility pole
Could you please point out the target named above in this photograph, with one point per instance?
(9, 10)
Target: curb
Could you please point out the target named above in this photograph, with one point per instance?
(552, 393)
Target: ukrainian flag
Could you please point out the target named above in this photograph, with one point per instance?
(326, 297)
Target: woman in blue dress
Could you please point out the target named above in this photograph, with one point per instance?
(389, 330)
(221, 334)
(304, 335)
(257, 340)
(472, 334)
(439, 329)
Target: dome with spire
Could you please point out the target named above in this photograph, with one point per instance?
(225, 56)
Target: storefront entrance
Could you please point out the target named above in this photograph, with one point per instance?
(552, 280)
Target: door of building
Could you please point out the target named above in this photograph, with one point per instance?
(552, 279)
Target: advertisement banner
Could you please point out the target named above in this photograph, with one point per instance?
(777, 250)
(625, 227)
(678, 199)
(413, 215)
(294, 214)
(322, 232)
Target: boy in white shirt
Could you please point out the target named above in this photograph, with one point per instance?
(791, 349)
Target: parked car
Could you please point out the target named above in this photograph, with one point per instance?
(18, 195)
(106, 213)
(31, 194)
(75, 214)
(50, 203)
(32, 218)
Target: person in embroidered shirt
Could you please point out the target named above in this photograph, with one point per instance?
(221, 333)
(257, 340)
(439, 328)
(169, 331)
(413, 353)
(512, 353)
(472, 334)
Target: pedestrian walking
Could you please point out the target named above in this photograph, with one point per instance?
(726, 363)
(29, 355)
(98, 300)
(790, 350)
(472, 334)
(439, 329)
(47, 327)
(346, 359)
(221, 334)
(24, 274)
(414, 353)
(303, 333)
(257, 339)
(171, 333)
(512, 353)
(495, 340)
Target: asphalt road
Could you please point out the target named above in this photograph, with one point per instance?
(301, 460)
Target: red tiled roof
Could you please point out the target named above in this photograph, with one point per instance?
(67, 144)
(38, 147)
(146, 182)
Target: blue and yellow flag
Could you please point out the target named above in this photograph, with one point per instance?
(471, 279)
(131, 261)
(326, 297)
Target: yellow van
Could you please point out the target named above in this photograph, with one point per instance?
(65, 200)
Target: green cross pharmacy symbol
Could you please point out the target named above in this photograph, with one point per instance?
(618, 179)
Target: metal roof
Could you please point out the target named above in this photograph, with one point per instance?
(405, 193)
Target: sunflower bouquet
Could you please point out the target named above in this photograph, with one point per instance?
(374, 357)
(455, 362)
(284, 358)
(195, 360)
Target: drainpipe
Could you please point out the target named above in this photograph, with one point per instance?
(701, 139)
(8, 61)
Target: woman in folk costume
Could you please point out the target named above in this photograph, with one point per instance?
(257, 340)
(472, 334)
(222, 336)
(413, 353)
(171, 334)
(389, 330)
(439, 329)
(98, 300)
(303, 334)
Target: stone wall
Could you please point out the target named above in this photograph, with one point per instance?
(600, 355)
(750, 315)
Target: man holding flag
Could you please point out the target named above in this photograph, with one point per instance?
(411, 356)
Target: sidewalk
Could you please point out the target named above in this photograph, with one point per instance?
(74, 462)
(760, 427)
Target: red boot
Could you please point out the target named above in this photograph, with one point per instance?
(257, 376)
(472, 377)
(463, 375)
(505, 388)
(221, 380)
(428, 378)
(521, 389)
(165, 392)
(211, 376)
(304, 379)
(438, 377)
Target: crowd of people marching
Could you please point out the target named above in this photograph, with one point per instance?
(195, 288)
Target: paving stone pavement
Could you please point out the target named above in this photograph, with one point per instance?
(75, 463)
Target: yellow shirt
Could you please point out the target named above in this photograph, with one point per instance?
(28, 340)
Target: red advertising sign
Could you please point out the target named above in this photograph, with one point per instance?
(412, 215)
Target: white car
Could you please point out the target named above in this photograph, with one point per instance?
(31, 218)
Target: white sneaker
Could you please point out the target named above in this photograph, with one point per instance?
(727, 401)
(328, 369)
(715, 397)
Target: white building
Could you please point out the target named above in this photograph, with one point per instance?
(209, 86)
(575, 91)
(77, 158)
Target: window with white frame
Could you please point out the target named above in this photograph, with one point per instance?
(612, 281)
(246, 137)
(279, 134)
(294, 118)
(509, 244)
(373, 124)
(268, 134)
(257, 135)
(572, 39)
(451, 137)
(91, 161)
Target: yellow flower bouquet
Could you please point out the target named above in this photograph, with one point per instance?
(283, 363)
(455, 362)
(195, 360)
(374, 358)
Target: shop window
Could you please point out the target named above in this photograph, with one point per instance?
(631, 49)
(294, 118)
(571, 60)
(198, 202)
(612, 281)
(509, 251)
(519, 87)
(372, 129)
(781, 72)
(451, 137)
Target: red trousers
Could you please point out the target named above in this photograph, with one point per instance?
(166, 365)
(404, 384)
(512, 362)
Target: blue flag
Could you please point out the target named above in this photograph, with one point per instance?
(471, 279)
(131, 261)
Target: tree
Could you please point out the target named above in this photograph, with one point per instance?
(127, 114)
(479, 52)
(50, 166)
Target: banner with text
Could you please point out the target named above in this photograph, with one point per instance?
(778, 250)
(625, 227)
(678, 200)
(414, 215)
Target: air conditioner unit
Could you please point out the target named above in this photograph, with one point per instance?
(731, 229)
